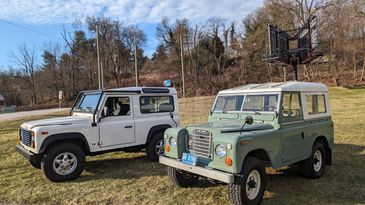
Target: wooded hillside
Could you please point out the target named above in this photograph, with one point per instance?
(217, 54)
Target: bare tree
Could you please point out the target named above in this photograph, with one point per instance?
(25, 58)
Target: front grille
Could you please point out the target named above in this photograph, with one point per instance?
(26, 136)
(201, 141)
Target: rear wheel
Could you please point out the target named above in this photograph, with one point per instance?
(156, 147)
(63, 162)
(249, 187)
(314, 166)
(182, 178)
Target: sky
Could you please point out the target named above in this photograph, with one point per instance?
(35, 23)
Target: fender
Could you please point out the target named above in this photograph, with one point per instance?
(63, 137)
(257, 152)
(155, 129)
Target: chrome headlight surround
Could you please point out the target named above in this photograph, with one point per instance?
(220, 150)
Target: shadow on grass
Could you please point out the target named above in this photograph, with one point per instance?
(121, 168)
(343, 182)
(204, 183)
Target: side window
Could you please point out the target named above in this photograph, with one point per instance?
(117, 106)
(291, 106)
(155, 104)
(315, 104)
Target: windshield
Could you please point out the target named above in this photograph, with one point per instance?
(86, 102)
(260, 103)
(228, 103)
(254, 103)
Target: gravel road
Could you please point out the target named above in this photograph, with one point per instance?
(17, 115)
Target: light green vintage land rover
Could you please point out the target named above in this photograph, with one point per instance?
(249, 128)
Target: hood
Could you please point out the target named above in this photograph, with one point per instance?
(229, 127)
(69, 120)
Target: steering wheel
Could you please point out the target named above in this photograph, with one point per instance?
(270, 108)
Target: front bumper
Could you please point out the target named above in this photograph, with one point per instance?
(205, 172)
(27, 154)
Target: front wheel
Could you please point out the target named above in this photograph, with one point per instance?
(249, 187)
(181, 178)
(156, 147)
(314, 166)
(63, 162)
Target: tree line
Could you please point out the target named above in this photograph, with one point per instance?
(216, 54)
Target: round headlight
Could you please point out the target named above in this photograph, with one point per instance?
(172, 142)
(220, 151)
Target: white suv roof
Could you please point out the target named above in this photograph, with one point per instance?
(278, 87)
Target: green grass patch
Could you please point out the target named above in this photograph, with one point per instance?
(129, 178)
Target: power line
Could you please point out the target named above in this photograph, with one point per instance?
(28, 29)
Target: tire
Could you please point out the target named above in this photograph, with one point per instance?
(245, 189)
(36, 165)
(314, 166)
(63, 162)
(181, 178)
(156, 147)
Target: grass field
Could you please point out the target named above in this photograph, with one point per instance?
(128, 178)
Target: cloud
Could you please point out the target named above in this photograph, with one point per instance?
(131, 11)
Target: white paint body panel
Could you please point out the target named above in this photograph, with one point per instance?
(110, 132)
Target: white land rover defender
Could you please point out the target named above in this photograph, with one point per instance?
(122, 119)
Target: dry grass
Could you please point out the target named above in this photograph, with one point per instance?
(128, 178)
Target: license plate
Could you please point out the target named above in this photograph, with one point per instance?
(189, 159)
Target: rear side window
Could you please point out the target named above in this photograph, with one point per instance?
(315, 104)
(156, 104)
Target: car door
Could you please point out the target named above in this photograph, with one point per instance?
(292, 126)
(116, 127)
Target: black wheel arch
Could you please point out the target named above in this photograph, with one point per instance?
(260, 154)
(71, 137)
(155, 129)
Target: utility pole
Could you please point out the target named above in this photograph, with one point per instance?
(182, 66)
(98, 56)
(135, 61)
(102, 75)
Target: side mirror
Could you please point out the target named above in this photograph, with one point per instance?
(249, 120)
(172, 118)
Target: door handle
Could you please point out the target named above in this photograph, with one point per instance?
(128, 126)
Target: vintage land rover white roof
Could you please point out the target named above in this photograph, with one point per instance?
(278, 87)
